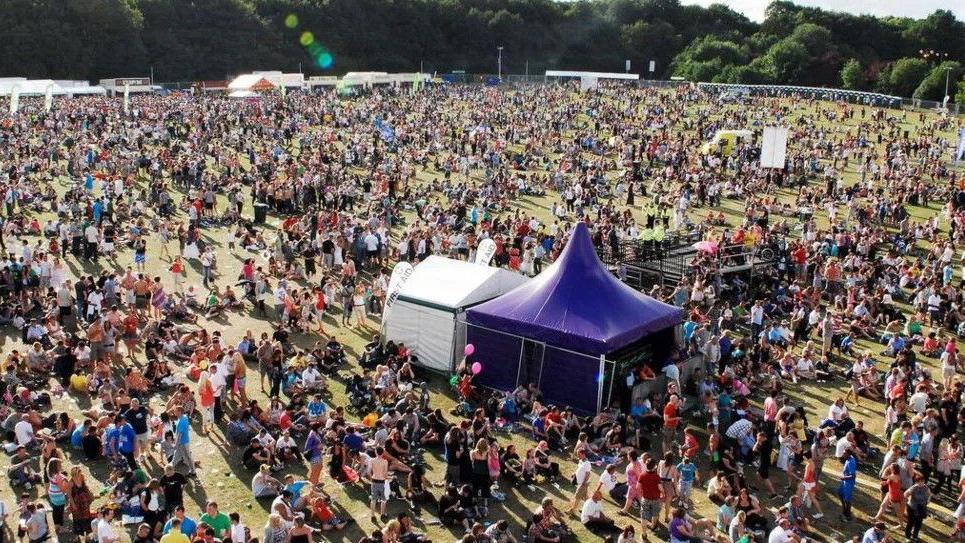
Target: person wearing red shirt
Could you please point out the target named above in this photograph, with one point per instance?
(691, 446)
(652, 495)
(671, 420)
(522, 230)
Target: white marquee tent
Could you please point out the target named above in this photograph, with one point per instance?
(29, 87)
(431, 307)
(38, 87)
(590, 80)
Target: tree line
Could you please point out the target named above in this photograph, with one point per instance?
(186, 40)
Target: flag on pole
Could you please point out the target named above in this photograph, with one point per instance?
(14, 99)
(127, 98)
(49, 98)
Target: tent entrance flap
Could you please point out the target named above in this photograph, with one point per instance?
(531, 362)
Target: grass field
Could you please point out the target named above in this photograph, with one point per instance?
(224, 479)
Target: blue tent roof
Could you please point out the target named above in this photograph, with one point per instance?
(577, 304)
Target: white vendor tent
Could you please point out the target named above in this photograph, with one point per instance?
(430, 312)
(589, 80)
(29, 87)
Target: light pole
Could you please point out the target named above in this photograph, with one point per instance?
(499, 63)
(948, 72)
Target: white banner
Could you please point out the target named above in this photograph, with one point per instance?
(653, 66)
(127, 98)
(14, 99)
(400, 274)
(485, 252)
(49, 98)
(774, 147)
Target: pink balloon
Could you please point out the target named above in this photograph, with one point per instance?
(476, 368)
(470, 348)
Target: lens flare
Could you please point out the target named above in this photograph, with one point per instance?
(307, 38)
(325, 60)
(291, 21)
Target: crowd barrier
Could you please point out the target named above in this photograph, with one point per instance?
(820, 93)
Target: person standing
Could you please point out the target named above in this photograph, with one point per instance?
(207, 262)
(219, 382)
(582, 478)
(56, 492)
(138, 417)
(378, 472)
(79, 500)
(314, 453)
(671, 419)
(918, 497)
(126, 440)
(182, 441)
(846, 486)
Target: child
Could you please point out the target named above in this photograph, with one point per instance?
(238, 531)
(168, 446)
(688, 476)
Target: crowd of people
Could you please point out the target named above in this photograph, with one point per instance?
(133, 249)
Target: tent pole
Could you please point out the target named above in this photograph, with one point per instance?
(519, 368)
(599, 385)
(454, 344)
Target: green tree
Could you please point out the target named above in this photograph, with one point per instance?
(940, 32)
(757, 72)
(932, 86)
(645, 41)
(705, 58)
(853, 76)
(959, 97)
(787, 59)
(905, 76)
(815, 38)
(211, 39)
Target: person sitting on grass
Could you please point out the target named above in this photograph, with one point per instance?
(321, 508)
(593, 517)
(263, 485)
(451, 510)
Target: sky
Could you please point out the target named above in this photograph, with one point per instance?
(918, 9)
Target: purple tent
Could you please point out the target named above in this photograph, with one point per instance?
(556, 329)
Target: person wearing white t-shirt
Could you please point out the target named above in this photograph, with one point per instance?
(24, 432)
(934, 307)
(592, 515)
(582, 476)
(218, 383)
(94, 301)
(918, 401)
(757, 319)
(106, 532)
(611, 485)
(837, 411)
(844, 444)
(782, 533)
